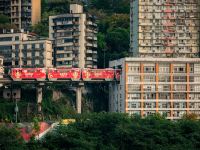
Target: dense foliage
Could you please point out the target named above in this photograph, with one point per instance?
(119, 131)
(107, 131)
(5, 23)
(10, 139)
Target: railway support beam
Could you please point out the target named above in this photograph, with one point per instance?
(79, 97)
(39, 97)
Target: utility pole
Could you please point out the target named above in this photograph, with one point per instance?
(16, 110)
(104, 58)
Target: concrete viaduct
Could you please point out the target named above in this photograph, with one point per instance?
(39, 86)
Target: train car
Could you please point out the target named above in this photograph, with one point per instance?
(117, 74)
(18, 74)
(73, 74)
(98, 74)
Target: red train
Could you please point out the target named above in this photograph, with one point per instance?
(98, 74)
(74, 74)
(28, 73)
(64, 73)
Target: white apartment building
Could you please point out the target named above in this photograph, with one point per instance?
(169, 86)
(75, 38)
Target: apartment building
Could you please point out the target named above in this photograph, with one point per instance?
(22, 13)
(5, 7)
(164, 28)
(25, 50)
(169, 86)
(75, 38)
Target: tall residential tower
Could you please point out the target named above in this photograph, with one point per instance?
(165, 28)
(22, 13)
(75, 38)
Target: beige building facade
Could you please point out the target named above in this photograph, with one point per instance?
(168, 86)
(25, 50)
(164, 28)
(75, 38)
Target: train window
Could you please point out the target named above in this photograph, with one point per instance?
(62, 71)
(30, 71)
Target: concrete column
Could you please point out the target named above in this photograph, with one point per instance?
(79, 91)
(39, 97)
(78, 99)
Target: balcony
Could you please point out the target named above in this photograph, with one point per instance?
(89, 51)
(89, 58)
(88, 66)
(95, 59)
(64, 59)
(95, 52)
(91, 23)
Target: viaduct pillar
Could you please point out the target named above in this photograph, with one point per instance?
(79, 97)
(39, 96)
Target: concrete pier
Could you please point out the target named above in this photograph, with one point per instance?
(79, 97)
(39, 97)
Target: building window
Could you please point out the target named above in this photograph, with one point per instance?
(17, 47)
(16, 63)
(179, 78)
(3, 39)
(149, 69)
(41, 61)
(33, 54)
(41, 46)
(16, 53)
(33, 62)
(17, 38)
(33, 46)
(24, 54)
(25, 46)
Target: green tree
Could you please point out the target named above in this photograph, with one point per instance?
(4, 19)
(11, 139)
(41, 29)
(119, 131)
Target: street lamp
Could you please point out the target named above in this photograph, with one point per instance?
(104, 58)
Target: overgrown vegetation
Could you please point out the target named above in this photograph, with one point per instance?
(112, 131)
(5, 23)
(51, 109)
